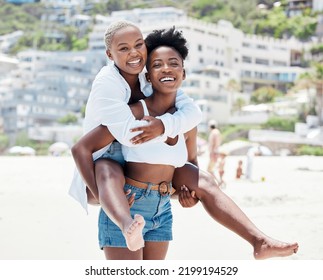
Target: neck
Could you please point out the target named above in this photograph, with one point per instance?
(159, 103)
(131, 79)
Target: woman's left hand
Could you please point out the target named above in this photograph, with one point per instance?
(186, 198)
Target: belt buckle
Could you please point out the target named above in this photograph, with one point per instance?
(163, 188)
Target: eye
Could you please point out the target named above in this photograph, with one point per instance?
(139, 45)
(124, 49)
(156, 65)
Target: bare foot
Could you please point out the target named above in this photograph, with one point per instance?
(133, 234)
(270, 248)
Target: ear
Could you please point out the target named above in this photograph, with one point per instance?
(184, 74)
(109, 54)
(147, 77)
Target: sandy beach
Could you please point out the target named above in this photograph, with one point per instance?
(38, 220)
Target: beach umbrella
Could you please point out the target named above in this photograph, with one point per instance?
(27, 151)
(18, 150)
(15, 150)
(58, 148)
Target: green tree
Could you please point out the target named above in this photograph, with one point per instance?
(4, 142)
(265, 94)
(68, 119)
(314, 78)
(238, 104)
(305, 82)
(318, 79)
(282, 124)
(22, 139)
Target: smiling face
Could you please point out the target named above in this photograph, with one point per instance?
(128, 51)
(165, 69)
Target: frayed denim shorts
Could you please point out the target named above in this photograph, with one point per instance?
(156, 210)
(114, 152)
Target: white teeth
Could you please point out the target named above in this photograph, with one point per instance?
(134, 62)
(167, 79)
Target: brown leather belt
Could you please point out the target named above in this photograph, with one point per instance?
(163, 188)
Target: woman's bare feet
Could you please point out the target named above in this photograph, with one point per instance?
(133, 234)
(270, 248)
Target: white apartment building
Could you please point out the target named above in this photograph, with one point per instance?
(62, 11)
(46, 87)
(267, 61)
(263, 60)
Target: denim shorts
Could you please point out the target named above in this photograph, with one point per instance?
(156, 210)
(114, 152)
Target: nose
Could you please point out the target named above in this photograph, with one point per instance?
(166, 67)
(133, 51)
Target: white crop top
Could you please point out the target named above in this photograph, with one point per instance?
(157, 152)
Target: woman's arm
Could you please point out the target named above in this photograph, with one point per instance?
(185, 197)
(191, 145)
(82, 152)
(187, 116)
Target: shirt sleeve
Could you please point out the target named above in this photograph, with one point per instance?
(187, 116)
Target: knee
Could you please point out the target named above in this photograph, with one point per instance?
(112, 174)
(207, 181)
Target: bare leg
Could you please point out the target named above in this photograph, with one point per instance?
(114, 253)
(151, 251)
(155, 250)
(110, 181)
(223, 210)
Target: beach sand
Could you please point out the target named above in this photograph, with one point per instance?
(39, 221)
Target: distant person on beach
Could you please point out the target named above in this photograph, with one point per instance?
(220, 168)
(239, 171)
(214, 142)
(104, 180)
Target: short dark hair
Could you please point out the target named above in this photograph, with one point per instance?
(170, 38)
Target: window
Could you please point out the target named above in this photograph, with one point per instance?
(279, 63)
(262, 61)
(246, 59)
(261, 47)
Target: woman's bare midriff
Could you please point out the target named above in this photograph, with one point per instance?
(153, 173)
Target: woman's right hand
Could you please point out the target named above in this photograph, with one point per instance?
(131, 199)
(153, 129)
